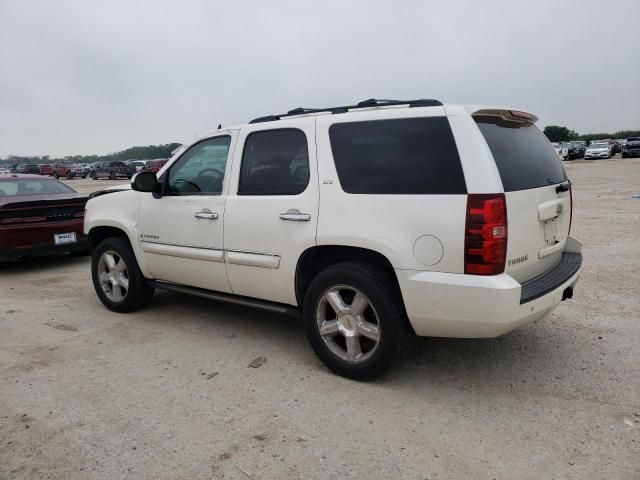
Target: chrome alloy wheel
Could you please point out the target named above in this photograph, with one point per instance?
(348, 324)
(113, 275)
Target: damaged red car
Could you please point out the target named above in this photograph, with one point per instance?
(39, 216)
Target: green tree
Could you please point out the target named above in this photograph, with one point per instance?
(556, 133)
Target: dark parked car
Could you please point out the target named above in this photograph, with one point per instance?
(572, 151)
(27, 168)
(631, 148)
(113, 170)
(579, 148)
(39, 216)
(46, 169)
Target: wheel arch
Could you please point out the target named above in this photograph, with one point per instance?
(100, 232)
(315, 259)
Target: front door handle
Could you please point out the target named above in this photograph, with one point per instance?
(206, 214)
(294, 215)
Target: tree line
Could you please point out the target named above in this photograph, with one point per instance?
(556, 133)
(148, 152)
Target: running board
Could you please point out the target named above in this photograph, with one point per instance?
(228, 298)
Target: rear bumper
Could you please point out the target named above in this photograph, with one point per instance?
(474, 306)
(23, 241)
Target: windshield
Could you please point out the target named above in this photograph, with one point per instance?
(32, 187)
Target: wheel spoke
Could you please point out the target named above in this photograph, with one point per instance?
(353, 347)
(329, 328)
(104, 277)
(116, 292)
(336, 302)
(123, 282)
(120, 266)
(369, 330)
(110, 260)
(359, 304)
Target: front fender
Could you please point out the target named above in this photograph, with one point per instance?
(117, 210)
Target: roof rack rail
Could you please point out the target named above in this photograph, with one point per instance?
(371, 102)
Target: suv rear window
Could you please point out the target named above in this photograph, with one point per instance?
(523, 155)
(397, 156)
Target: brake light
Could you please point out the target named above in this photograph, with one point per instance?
(485, 243)
(519, 114)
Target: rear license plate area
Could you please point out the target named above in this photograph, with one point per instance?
(64, 238)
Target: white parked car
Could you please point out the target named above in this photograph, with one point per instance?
(561, 150)
(598, 150)
(373, 222)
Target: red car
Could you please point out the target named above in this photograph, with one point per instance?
(68, 170)
(46, 169)
(39, 216)
(154, 165)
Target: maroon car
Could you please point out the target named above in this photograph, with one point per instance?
(39, 216)
(154, 165)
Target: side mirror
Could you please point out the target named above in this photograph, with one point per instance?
(144, 182)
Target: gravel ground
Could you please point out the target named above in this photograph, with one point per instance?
(167, 392)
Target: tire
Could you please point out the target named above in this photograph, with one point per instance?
(113, 176)
(55, 175)
(138, 294)
(94, 176)
(384, 310)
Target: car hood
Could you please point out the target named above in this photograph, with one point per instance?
(25, 201)
(596, 150)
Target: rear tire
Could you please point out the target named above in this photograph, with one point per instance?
(113, 176)
(117, 278)
(381, 328)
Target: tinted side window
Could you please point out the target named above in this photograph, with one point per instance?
(399, 156)
(523, 155)
(275, 162)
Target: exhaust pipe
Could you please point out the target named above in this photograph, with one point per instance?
(568, 293)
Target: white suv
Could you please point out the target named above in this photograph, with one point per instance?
(373, 221)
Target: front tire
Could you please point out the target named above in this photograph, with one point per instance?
(355, 320)
(117, 278)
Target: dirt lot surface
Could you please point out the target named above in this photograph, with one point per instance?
(167, 392)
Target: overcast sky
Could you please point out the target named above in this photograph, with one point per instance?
(83, 77)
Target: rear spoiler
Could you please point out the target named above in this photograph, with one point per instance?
(57, 202)
(507, 114)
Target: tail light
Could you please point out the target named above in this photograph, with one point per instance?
(14, 220)
(485, 242)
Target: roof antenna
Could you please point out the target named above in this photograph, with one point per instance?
(219, 126)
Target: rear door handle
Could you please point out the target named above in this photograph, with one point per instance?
(206, 214)
(294, 215)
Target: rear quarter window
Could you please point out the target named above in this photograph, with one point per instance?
(397, 156)
(523, 155)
